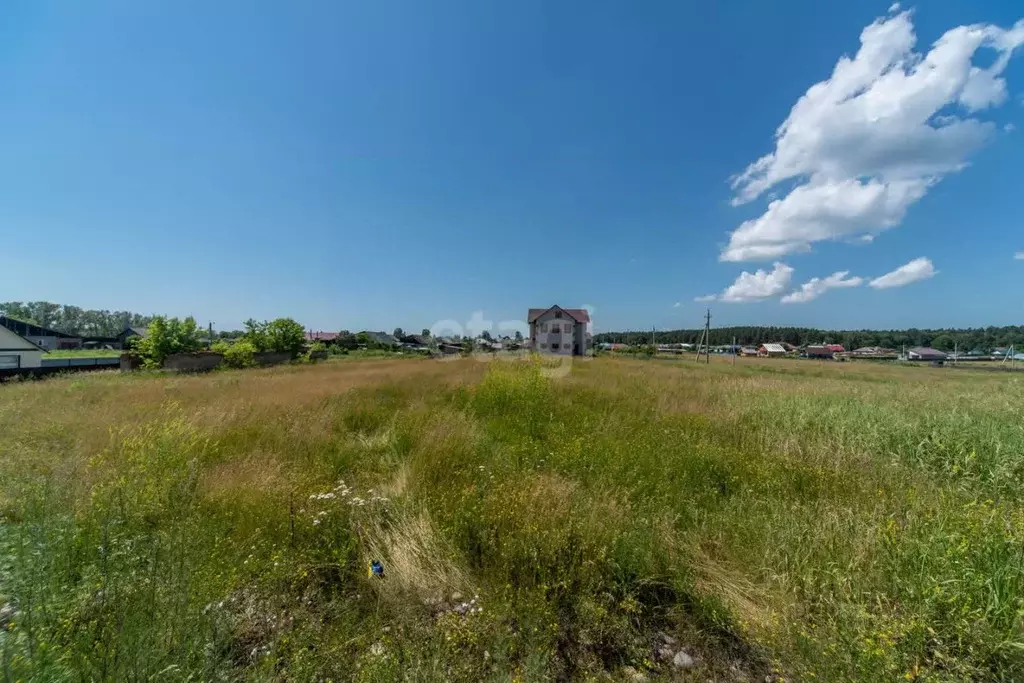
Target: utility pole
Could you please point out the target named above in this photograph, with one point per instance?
(734, 354)
(705, 339)
(707, 333)
(209, 337)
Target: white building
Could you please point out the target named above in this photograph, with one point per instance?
(925, 353)
(771, 350)
(559, 330)
(18, 352)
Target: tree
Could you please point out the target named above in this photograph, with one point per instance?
(165, 337)
(398, 333)
(519, 336)
(256, 334)
(346, 340)
(285, 335)
(485, 335)
(425, 333)
(73, 320)
(282, 335)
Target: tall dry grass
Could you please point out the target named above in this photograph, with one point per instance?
(812, 521)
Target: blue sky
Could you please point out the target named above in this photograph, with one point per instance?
(367, 165)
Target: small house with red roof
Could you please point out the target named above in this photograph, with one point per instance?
(558, 330)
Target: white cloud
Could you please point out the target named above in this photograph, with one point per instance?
(894, 7)
(705, 298)
(1009, 128)
(1019, 256)
(868, 142)
(677, 304)
(817, 286)
(761, 284)
(918, 269)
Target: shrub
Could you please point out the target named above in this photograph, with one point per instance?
(314, 348)
(240, 354)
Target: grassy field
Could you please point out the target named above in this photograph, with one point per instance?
(83, 353)
(793, 520)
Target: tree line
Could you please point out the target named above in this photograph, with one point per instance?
(72, 319)
(966, 339)
(168, 336)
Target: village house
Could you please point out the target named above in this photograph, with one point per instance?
(559, 330)
(322, 337)
(129, 333)
(17, 352)
(41, 336)
(818, 351)
(925, 353)
(771, 350)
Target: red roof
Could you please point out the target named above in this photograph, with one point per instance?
(580, 315)
(321, 336)
(835, 348)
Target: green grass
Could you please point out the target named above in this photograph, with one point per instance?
(83, 353)
(810, 521)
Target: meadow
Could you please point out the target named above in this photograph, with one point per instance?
(83, 353)
(773, 520)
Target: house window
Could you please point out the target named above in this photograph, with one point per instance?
(554, 347)
(555, 328)
(558, 314)
(543, 345)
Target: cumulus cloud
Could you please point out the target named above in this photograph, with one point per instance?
(918, 269)
(868, 142)
(761, 284)
(817, 286)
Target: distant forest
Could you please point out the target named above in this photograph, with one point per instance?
(983, 338)
(72, 319)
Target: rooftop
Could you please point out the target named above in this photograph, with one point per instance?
(580, 315)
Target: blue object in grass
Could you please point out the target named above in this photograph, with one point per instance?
(376, 568)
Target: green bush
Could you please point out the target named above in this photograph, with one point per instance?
(314, 348)
(240, 354)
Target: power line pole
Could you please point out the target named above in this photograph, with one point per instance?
(734, 350)
(705, 339)
(707, 333)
